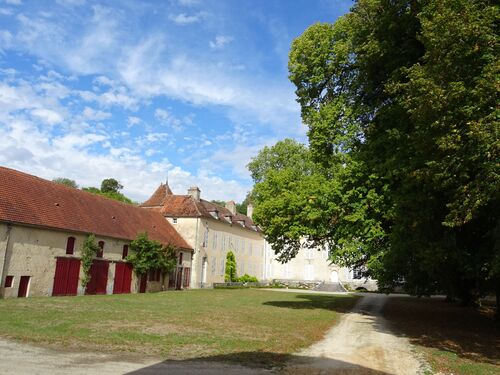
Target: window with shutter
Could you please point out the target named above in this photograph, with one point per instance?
(70, 245)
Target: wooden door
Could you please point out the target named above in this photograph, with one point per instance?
(144, 283)
(24, 282)
(123, 278)
(178, 283)
(98, 277)
(66, 277)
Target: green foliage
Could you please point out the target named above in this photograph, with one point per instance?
(401, 173)
(242, 207)
(110, 185)
(65, 181)
(88, 251)
(219, 203)
(117, 196)
(247, 279)
(230, 273)
(150, 255)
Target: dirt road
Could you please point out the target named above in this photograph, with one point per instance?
(361, 343)
(24, 359)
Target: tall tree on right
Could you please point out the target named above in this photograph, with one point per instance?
(400, 98)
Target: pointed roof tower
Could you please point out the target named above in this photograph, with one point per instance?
(159, 196)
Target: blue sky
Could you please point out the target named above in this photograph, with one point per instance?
(136, 90)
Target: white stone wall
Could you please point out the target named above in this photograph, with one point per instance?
(313, 265)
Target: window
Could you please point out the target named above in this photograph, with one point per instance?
(9, 281)
(101, 247)
(222, 266)
(214, 265)
(180, 258)
(70, 245)
(124, 251)
(174, 220)
(205, 238)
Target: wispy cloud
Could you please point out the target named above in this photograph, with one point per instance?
(183, 19)
(220, 41)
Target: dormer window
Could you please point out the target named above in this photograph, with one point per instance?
(242, 223)
(215, 214)
(229, 218)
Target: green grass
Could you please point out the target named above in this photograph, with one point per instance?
(249, 326)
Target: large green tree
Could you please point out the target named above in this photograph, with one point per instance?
(400, 100)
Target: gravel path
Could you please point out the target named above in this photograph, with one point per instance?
(360, 344)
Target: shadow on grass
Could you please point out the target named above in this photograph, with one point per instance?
(434, 323)
(339, 303)
(257, 363)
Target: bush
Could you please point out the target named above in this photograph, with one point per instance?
(247, 279)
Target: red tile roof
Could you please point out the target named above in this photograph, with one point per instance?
(158, 197)
(186, 206)
(26, 199)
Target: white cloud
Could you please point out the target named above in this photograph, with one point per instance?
(220, 41)
(183, 19)
(95, 115)
(133, 120)
(47, 115)
(13, 2)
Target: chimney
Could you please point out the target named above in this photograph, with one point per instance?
(194, 192)
(250, 210)
(231, 206)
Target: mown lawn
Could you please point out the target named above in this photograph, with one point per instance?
(453, 339)
(248, 326)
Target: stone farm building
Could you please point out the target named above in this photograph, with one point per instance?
(42, 228)
(212, 231)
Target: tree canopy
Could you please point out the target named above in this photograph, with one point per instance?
(110, 188)
(401, 171)
(148, 255)
(65, 181)
(110, 185)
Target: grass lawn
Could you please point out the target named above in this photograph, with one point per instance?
(246, 326)
(453, 339)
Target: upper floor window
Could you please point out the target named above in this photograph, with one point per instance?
(180, 258)
(174, 220)
(125, 251)
(70, 245)
(101, 249)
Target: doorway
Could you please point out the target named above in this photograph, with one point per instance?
(24, 284)
(334, 277)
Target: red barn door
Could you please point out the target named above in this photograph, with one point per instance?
(98, 277)
(66, 277)
(123, 278)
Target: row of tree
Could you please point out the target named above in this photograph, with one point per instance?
(401, 174)
(110, 188)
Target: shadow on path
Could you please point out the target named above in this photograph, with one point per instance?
(225, 364)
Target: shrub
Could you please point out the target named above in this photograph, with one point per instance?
(247, 279)
(230, 274)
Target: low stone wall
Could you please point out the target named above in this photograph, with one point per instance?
(295, 284)
(368, 284)
(237, 285)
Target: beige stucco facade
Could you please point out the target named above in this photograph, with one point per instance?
(212, 239)
(33, 251)
(313, 265)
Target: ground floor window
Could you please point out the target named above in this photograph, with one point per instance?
(9, 281)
